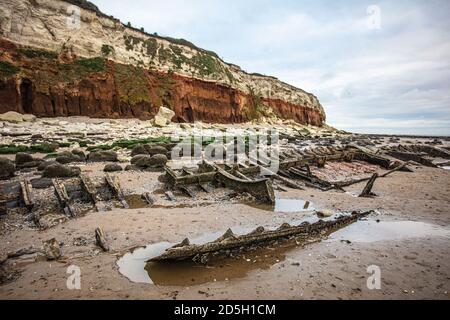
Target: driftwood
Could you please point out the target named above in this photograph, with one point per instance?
(113, 183)
(367, 192)
(101, 241)
(229, 241)
(63, 197)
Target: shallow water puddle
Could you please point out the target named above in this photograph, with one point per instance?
(136, 202)
(372, 231)
(134, 266)
(284, 206)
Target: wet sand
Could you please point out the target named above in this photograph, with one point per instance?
(413, 257)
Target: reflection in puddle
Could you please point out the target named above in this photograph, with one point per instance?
(284, 206)
(134, 266)
(136, 202)
(371, 231)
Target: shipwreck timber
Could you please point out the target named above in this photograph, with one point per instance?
(230, 241)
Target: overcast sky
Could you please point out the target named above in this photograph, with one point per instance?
(375, 69)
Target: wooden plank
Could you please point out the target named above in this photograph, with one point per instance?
(63, 197)
(88, 187)
(114, 184)
(26, 194)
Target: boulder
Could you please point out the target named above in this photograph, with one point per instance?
(103, 156)
(28, 117)
(7, 169)
(11, 116)
(72, 156)
(158, 161)
(22, 158)
(164, 117)
(147, 161)
(139, 149)
(60, 171)
(45, 164)
(112, 167)
(154, 150)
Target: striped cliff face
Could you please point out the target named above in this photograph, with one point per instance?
(101, 68)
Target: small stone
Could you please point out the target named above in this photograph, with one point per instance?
(52, 249)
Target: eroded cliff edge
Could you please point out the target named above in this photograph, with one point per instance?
(53, 65)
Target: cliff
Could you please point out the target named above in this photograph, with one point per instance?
(54, 64)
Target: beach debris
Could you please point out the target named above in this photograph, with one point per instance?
(63, 198)
(52, 249)
(367, 192)
(101, 240)
(114, 185)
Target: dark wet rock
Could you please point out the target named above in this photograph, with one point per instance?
(45, 164)
(60, 171)
(32, 164)
(112, 167)
(52, 249)
(22, 158)
(41, 183)
(103, 156)
(37, 136)
(79, 153)
(154, 150)
(71, 156)
(148, 149)
(131, 167)
(147, 161)
(139, 149)
(7, 169)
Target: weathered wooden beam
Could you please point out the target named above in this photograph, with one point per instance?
(114, 184)
(148, 198)
(230, 241)
(26, 194)
(260, 189)
(63, 198)
(88, 187)
(101, 241)
(367, 191)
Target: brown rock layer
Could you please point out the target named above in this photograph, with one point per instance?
(46, 86)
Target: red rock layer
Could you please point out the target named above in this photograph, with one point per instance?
(40, 89)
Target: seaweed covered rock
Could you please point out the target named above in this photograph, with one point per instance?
(7, 169)
(60, 171)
